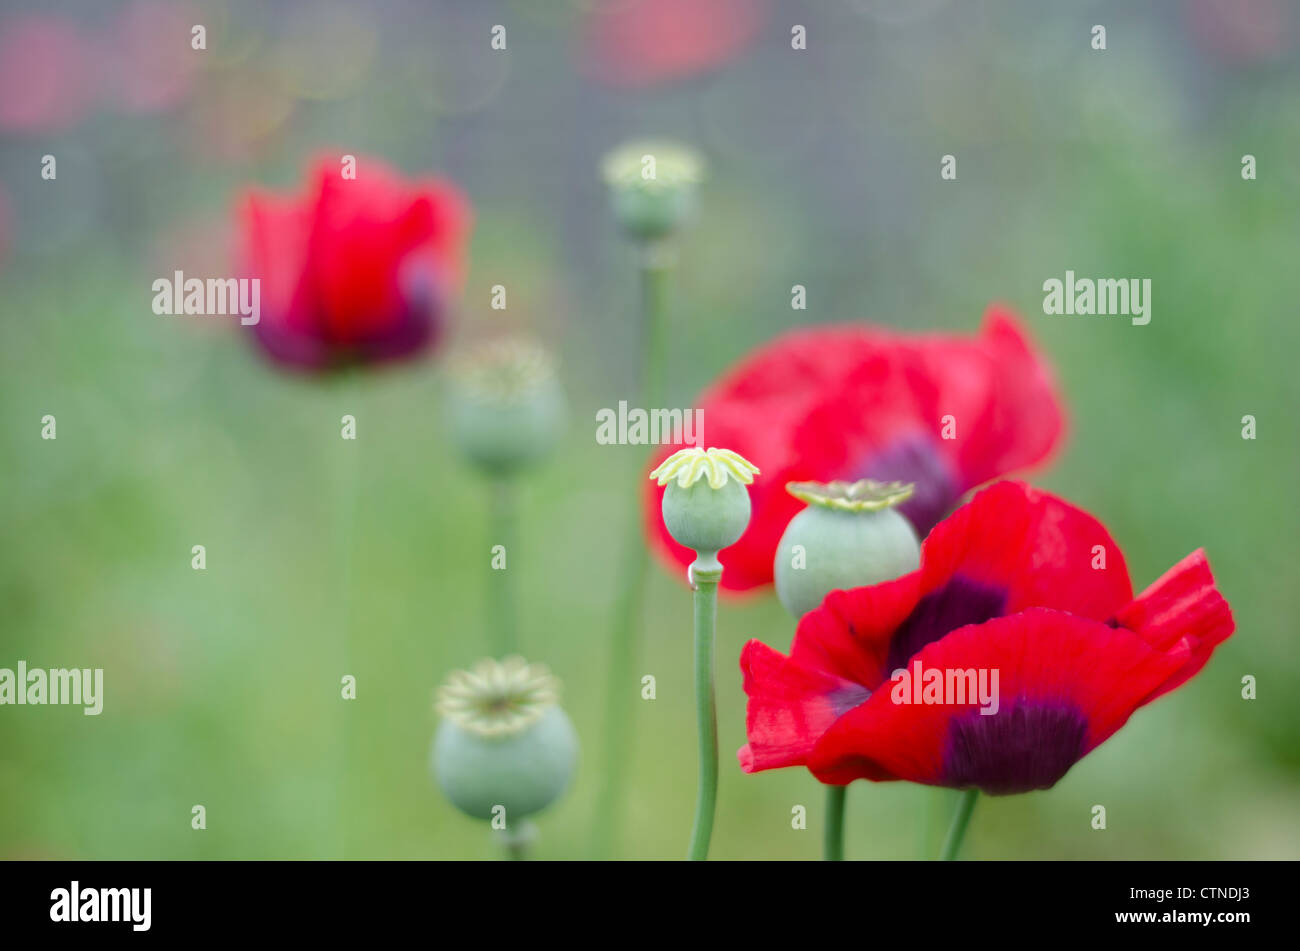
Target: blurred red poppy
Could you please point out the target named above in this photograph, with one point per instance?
(943, 412)
(1017, 582)
(636, 43)
(354, 270)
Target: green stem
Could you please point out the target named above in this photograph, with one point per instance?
(960, 820)
(347, 465)
(833, 843)
(500, 589)
(934, 812)
(655, 266)
(517, 842)
(656, 270)
(706, 714)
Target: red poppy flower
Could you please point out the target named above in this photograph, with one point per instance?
(637, 43)
(945, 413)
(355, 270)
(1009, 583)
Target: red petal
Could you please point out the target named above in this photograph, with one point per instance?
(879, 401)
(999, 393)
(1039, 548)
(1008, 415)
(1182, 610)
(362, 230)
(850, 633)
(1042, 657)
(275, 233)
(790, 707)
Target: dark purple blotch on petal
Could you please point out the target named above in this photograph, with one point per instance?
(956, 604)
(1026, 745)
(915, 459)
(306, 345)
(846, 698)
(419, 322)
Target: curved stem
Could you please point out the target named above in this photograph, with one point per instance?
(833, 842)
(960, 820)
(706, 714)
(500, 590)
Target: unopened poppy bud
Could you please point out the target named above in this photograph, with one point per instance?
(506, 407)
(653, 186)
(504, 742)
(706, 505)
(850, 535)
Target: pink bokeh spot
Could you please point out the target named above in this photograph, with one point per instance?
(47, 80)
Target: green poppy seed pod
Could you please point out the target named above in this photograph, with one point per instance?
(706, 519)
(504, 743)
(506, 407)
(706, 505)
(653, 186)
(850, 535)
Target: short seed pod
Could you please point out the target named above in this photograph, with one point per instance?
(506, 407)
(706, 505)
(503, 740)
(850, 535)
(653, 186)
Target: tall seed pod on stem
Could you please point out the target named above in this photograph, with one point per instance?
(507, 410)
(653, 189)
(706, 508)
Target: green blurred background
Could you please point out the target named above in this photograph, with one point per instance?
(222, 686)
